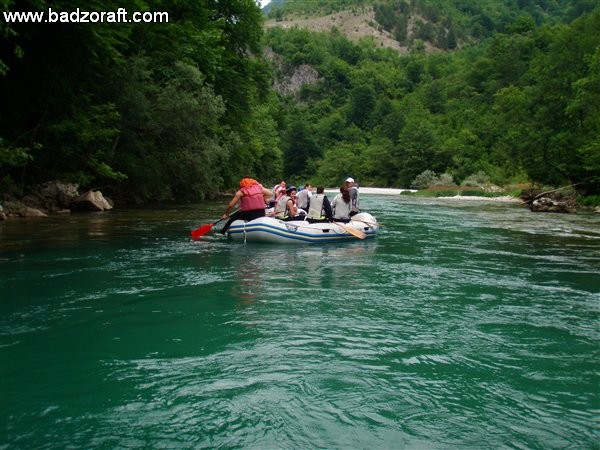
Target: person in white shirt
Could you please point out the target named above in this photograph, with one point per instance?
(342, 205)
(353, 189)
(304, 196)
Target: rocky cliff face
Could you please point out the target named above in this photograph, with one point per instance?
(289, 82)
(302, 75)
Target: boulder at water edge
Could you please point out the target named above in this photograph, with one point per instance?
(546, 204)
(91, 201)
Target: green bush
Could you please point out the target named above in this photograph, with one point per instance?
(473, 193)
(590, 200)
(424, 180)
(428, 178)
(445, 179)
(477, 179)
(445, 193)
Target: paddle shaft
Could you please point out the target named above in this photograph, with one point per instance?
(353, 231)
(371, 224)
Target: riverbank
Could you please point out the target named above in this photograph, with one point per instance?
(61, 198)
(379, 191)
(503, 198)
(391, 191)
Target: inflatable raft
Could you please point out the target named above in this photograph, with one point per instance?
(272, 230)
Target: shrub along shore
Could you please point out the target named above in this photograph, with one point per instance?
(62, 198)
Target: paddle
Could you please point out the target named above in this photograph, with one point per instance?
(202, 230)
(353, 231)
(372, 224)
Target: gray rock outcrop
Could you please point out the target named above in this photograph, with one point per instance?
(53, 197)
(91, 201)
(546, 204)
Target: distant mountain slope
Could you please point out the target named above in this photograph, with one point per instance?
(432, 24)
(355, 25)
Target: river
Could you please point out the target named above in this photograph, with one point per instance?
(464, 324)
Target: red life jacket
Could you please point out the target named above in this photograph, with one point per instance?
(252, 199)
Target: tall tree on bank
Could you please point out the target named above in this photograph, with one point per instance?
(146, 110)
(551, 118)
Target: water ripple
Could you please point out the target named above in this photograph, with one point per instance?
(460, 326)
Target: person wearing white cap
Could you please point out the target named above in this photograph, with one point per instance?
(353, 189)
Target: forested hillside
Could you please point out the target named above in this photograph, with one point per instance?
(154, 111)
(519, 105)
(443, 24)
(141, 110)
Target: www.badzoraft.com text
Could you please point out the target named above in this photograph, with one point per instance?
(78, 16)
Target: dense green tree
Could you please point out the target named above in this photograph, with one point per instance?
(183, 109)
(340, 161)
(417, 148)
(567, 121)
(584, 109)
(362, 104)
(171, 130)
(300, 149)
(145, 110)
(376, 168)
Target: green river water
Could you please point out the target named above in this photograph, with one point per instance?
(463, 325)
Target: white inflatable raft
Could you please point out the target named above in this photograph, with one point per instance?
(272, 230)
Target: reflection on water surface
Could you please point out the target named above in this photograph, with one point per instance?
(462, 325)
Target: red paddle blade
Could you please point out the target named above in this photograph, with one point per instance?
(201, 231)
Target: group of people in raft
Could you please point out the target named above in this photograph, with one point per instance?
(289, 204)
